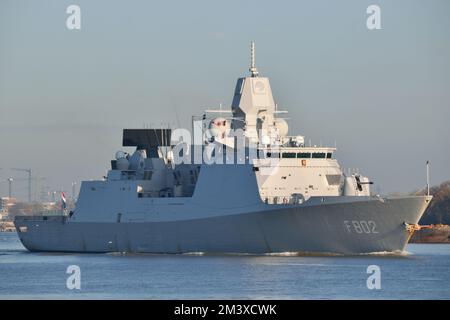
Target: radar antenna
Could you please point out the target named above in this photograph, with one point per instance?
(253, 69)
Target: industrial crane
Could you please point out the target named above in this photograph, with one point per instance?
(29, 180)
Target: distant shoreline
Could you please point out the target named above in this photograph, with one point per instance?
(438, 233)
(7, 226)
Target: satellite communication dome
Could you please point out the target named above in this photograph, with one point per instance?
(282, 126)
(120, 154)
(137, 160)
(218, 127)
(298, 141)
(122, 164)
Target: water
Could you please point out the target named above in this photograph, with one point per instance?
(423, 273)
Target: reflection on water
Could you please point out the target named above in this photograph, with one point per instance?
(422, 273)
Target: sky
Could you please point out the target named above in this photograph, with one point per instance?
(381, 95)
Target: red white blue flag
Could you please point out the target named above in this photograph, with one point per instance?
(63, 200)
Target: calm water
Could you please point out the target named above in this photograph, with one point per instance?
(424, 273)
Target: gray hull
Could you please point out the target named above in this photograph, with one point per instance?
(363, 226)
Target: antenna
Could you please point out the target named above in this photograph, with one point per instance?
(428, 178)
(253, 69)
(73, 190)
(10, 180)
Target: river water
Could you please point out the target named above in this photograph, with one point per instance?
(423, 272)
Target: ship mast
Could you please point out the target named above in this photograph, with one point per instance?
(253, 69)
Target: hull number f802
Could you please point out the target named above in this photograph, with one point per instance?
(361, 226)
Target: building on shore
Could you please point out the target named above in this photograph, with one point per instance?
(6, 203)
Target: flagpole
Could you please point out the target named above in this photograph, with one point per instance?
(63, 203)
(428, 178)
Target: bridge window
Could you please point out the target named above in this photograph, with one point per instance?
(304, 155)
(329, 154)
(289, 155)
(318, 155)
(273, 155)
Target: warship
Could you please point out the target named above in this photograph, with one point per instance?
(239, 184)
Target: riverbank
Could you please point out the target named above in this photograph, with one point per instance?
(7, 226)
(438, 233)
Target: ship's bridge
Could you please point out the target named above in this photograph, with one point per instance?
(299, 152)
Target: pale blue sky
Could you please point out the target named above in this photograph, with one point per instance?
(382, 95)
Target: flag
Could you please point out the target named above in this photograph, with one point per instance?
(63, 201)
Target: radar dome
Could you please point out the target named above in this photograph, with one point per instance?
(218, 127)
(120, 154)
(282, 126)
(122, 164)
(137, 160)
